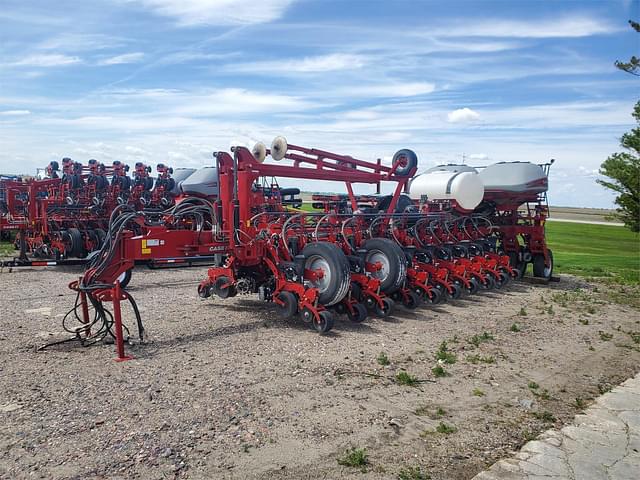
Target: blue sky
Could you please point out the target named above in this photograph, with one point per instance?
(173, 80)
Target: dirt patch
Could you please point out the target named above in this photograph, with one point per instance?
(224, 389)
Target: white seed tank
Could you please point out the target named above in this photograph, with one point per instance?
(515, 177)
(462, 185)
(203, 183)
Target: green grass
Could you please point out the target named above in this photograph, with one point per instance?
(595, 251)
(354, 457)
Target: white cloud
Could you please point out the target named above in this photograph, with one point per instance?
(46, 60)
(286, 67)
(410, 89)
(219, 12)
(15, 113)
(120, 59)
(463, 115)
(478, 156)
(572, 26)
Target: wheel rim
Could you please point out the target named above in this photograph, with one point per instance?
(376, 256)
(547, 270)
(317, 262)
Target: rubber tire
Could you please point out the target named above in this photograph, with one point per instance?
(396, 259)
(360, 314)
(435, 298)
(339, 268)
(226, 292)
(77, 248)
(386, 310)
(457, 292)
(412, 301)
(126, 279)
(290, 308)
(326, 322)
(475, 286)
(412, 162)
(443, 297)
(356, 291)
(539, 266)
(101, 235)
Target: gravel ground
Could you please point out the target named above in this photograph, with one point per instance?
(224, 389)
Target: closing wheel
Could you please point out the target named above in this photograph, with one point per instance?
(518, 265)
(434, 297)
(411, 301)
(497, 280)
(489, 282)
(504, 278)
(220, 290)
(385, 309)
(473, 287)
(125, 278)
(454, 293)
(442, 298)
(324, 323)
(539, 268)
(327, 257)
(359, 313)
(406, 160)
(290, 307)
(392, 260)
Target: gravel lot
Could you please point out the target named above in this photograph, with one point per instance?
(224, 389)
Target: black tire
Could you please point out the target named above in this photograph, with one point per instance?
(411, 301)
(359, 314)
(473, 287)
(434, 297)
(356, 291)
(408, 162)
(223, 292)
(76, 247)
(335, 265)
(394, 261)
(125, 278)
(290, 307)
(386, 309)
(325, 323)
(442, 298)
(540, 269)
(455, 293)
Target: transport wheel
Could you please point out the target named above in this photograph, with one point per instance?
(204, 291)
(290, 307)
(359, 314)
(407, 160)
(325, 322)
(473, 286)
(411, 301)
(340, 308)
(335, 283)
(386, 308)
(74, 240)
(125, 278)
(223, 292)
(540, 269)
(393, 260)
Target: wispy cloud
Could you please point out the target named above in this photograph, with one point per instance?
(134, 57)
(46, 60)
(218, 12)
(569, 26)
(289, 66)
(14, 113)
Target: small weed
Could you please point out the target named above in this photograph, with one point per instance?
(528, 435)
(443, 354)
(542, 300)
(584, 321)
(446, 429)
(455, 339)
(605, 337)
(523, 312)
(439, 371)
(382, 359)
(475, 359)
(515, 328)
(533, 385)
(543, 395)
(591, 348)
(602, 388)
(412, 473)
(476, 340)
(591, 309)
(477, 392)
(404, 378)
(545, 416)
(580, 403)
(550, 310)
(421, 411)
(354, 457)
(635, 336)
(440, 412)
